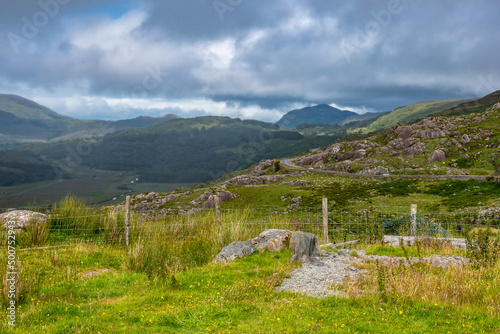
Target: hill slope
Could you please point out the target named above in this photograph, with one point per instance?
(320, 114)
(184, 150)
(411, 113)
(436, 145)
(22, 120)
(475, 106)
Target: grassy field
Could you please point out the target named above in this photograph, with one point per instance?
(164, 282)
(95, 186)
(89, 289)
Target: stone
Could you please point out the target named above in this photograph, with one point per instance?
(273, 240)
(151, 195)
(303, 246)
(437, 155)
(379, 170)
(263, 165)
(234, 250)
(21, 218)
(465, 139)
(224, 196)
(343, 252)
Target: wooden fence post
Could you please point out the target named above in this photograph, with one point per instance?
(413, 224)
(217, 207)
(325, 220)
(127, 219)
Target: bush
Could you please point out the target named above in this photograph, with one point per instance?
(483, 247)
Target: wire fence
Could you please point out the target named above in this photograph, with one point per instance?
(342, 224)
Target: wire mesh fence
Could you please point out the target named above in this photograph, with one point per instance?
(343, 224)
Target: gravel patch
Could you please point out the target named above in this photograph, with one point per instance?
(321, 277)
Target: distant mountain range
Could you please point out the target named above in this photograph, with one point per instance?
(320, 114)
(171, 149)
(22, 120)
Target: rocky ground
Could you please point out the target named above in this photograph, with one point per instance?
(322, 277)
(416, 146)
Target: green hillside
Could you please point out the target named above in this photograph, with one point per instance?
(23, 167)
(411, 113)
(460, 145)
(320, 114)
(22, 121)
(184, 150)
(26, 109)
(475, 106)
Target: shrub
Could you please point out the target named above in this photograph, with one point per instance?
(483, 247)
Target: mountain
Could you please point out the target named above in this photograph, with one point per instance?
(22, 120)
(411, 113)
(181, 150)
(436, 145)
(475, 106)
(23, 167)
(361, 117)
(320, 114)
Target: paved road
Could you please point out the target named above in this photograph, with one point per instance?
(288, 162)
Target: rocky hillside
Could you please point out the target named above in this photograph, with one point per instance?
(435, 145)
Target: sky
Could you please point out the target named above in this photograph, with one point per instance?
(252, 59)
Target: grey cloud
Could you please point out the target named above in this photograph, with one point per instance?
(422, 51)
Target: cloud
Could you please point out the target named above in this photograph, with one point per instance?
(251, 59)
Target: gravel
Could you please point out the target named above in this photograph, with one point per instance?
(320, 278)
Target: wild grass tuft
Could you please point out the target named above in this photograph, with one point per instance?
(483, 247)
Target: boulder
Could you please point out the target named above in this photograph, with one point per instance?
(303, 246)
(20, 218)
(465, 139)
(272, 240)
(224, 196)
(404, 131)
(379, 170)
(359, 154)
(234, 250)
(437, 155)
(151, 195)
(263, 165)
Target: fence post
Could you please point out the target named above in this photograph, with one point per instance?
(127, 219)
(325, 220)
(217, 207)
(413, 224)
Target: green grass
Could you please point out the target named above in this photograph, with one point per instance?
(238, 298)
(412, 113)
(164, 282)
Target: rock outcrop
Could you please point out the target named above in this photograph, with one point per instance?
(234, 250)
(21, 218)
(437, 155)
(272, 240)
(379, 170)
(304, 247)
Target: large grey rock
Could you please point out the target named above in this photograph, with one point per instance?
(272, 240)
(234, 250)
(20, 218)
(303, 246)
(438, 155)
(465, 139)
(379, 170)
